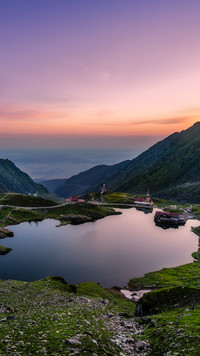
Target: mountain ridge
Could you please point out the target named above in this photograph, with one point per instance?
(12, 179)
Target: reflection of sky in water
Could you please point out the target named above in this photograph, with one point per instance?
(50, 164)
(109, 251)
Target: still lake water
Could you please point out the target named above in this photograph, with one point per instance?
(110, 251)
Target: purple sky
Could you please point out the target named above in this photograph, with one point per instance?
(71, 71)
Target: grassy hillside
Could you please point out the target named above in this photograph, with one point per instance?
(54, 318)
(170, 169)
(171, 312)
(16, 199)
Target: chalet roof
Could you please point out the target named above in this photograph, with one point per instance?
(166, 213)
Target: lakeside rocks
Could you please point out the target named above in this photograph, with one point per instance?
(5, 233)
(75, 219)
(4, 250)
(134, 295)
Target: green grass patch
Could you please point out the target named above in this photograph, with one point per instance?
(21, 215)
(24, 200)
(186, 275)
(165, 299)
(175, 332)
(116, 300)
(119, 198)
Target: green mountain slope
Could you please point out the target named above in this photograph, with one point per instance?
(12, 179)
(169, 169)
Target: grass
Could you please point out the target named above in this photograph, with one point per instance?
(118, 302)
(187, 276)
(172, 310)
(40, 316)
(174, 333)
(15, 199)
(119, 198)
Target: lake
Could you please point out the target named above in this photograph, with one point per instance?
(109, 251)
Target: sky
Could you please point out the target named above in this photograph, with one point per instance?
(103, 73)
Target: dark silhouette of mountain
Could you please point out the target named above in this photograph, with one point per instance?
(52, 184)
(12, 179)
(93, 178)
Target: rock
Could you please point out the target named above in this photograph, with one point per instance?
(109, 315)
(139, 310)
(10, 317)
(139, 345)
(105, 301)
(6, 233)
(76, 219)
(125, 315)
(127, 324)
(4, 250)
(73, 341)
(88, 333)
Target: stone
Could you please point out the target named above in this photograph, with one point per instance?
(6, 233)
(105, 301)
(139, 345)
(10, 317)
(73, 341)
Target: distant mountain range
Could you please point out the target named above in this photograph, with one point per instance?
(170, 169)
(12, 179)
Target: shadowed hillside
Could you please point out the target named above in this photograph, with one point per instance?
(12, 179)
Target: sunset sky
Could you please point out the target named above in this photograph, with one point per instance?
(106, 72)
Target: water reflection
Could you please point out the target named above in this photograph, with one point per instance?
(109, 251)
(145, 210)
(166, 226)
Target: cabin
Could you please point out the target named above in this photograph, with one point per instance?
(74, 199)
(144, 201)
(169, 218)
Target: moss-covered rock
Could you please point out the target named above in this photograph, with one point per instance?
(162, 300)
(4, 250)
(5, 233)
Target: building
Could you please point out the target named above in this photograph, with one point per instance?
(74, 199)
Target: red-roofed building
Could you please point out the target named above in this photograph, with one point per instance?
(74, 199)
(146, 202)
